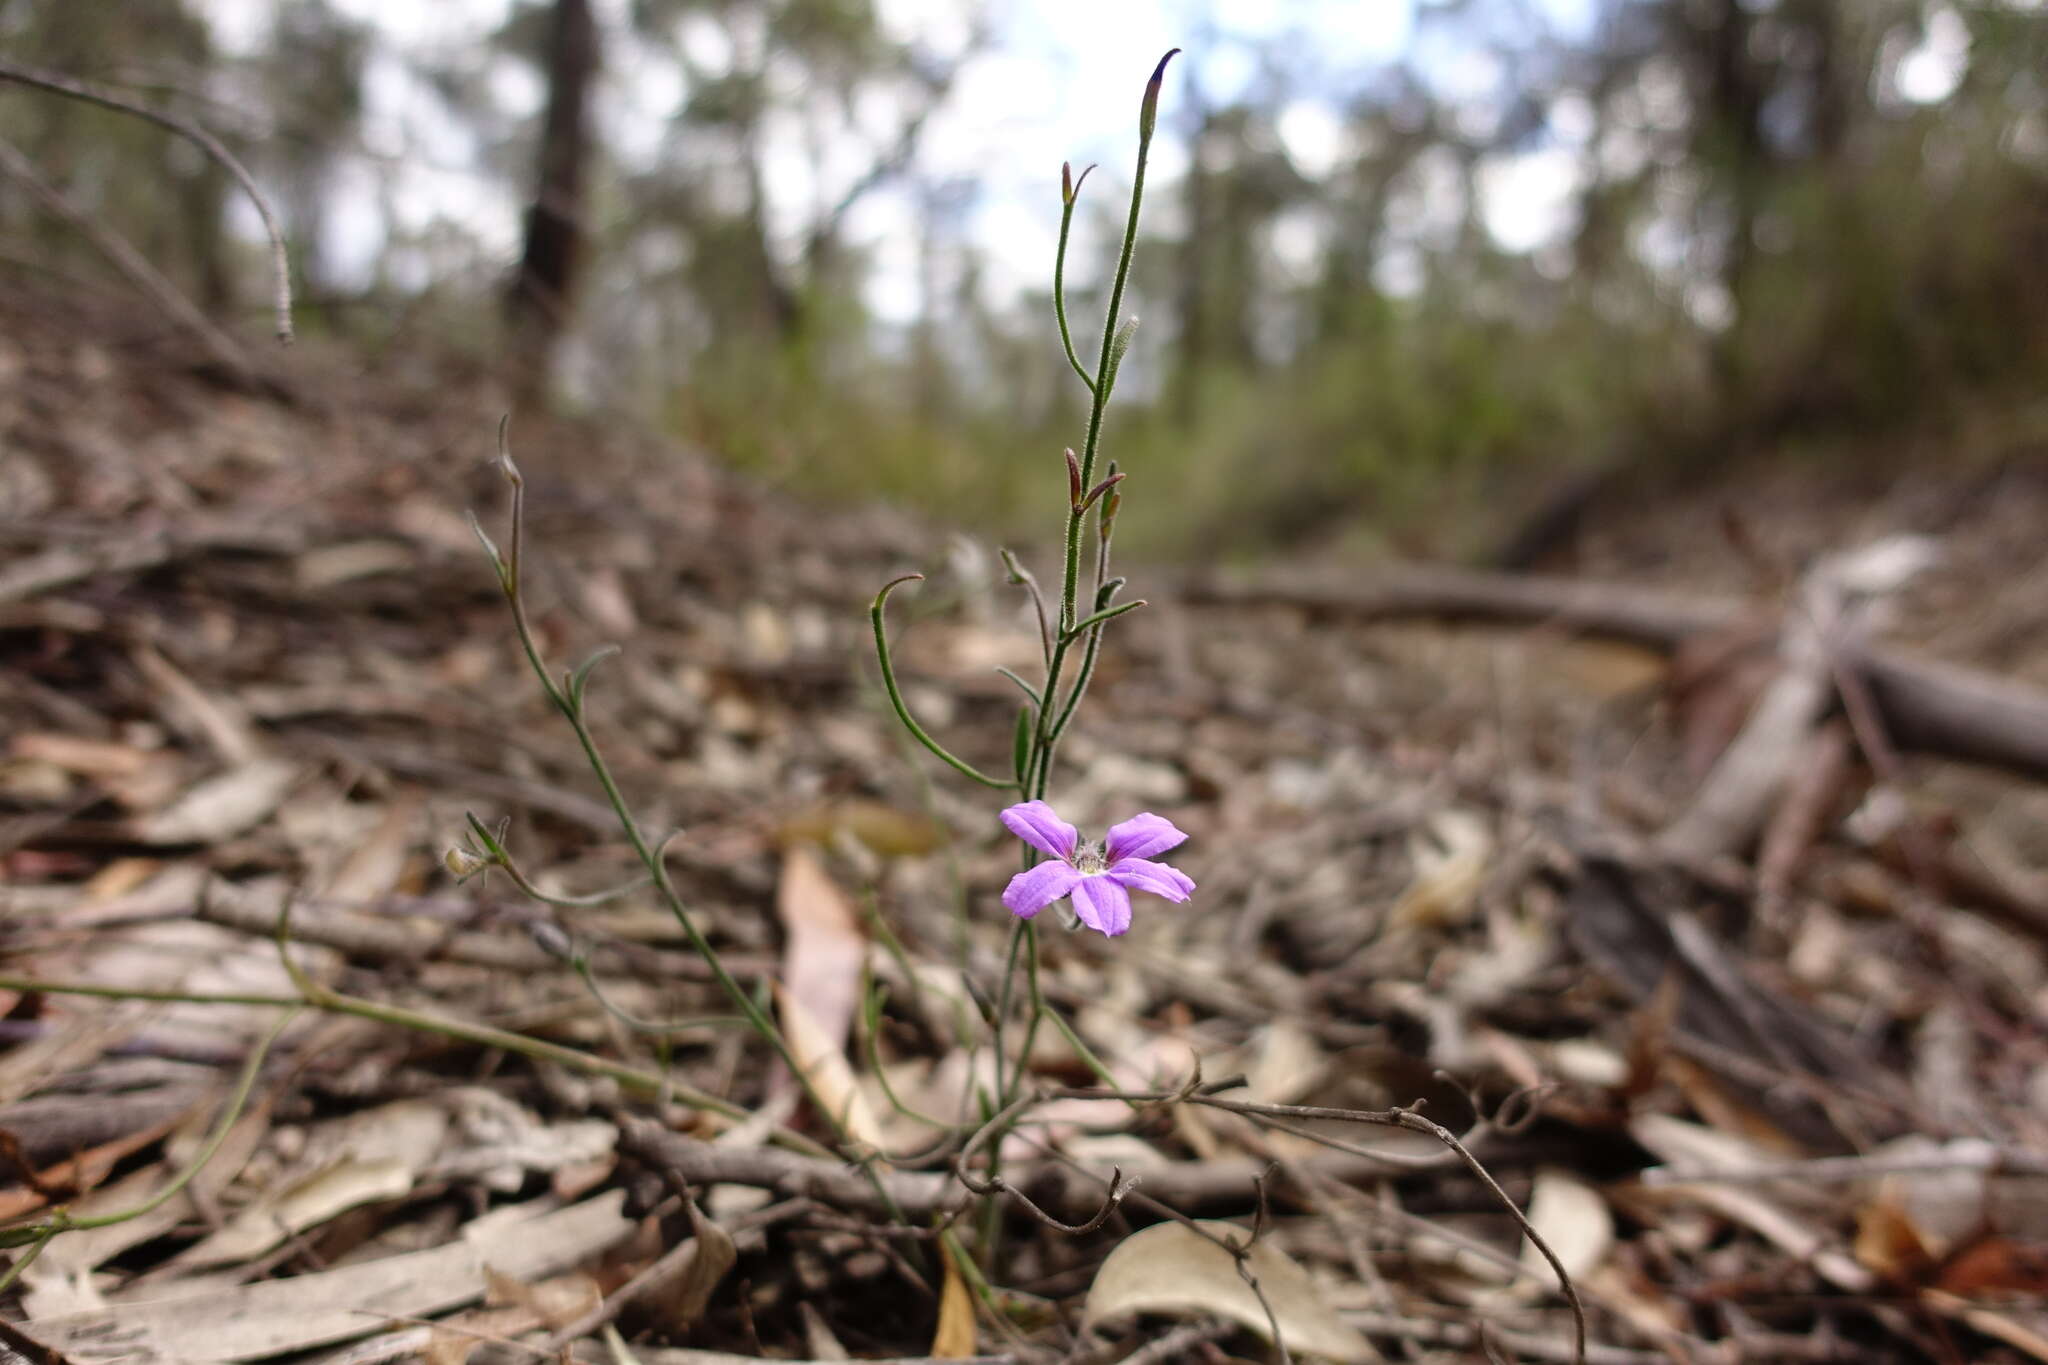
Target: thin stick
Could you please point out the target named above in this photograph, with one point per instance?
(123, 256)
(280, 260)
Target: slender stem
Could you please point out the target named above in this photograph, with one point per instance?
(1038, 1006)
(571, 707)
(333, 1002)
(1070, 196)
(1019, 931)
(1099, 401)
(237, 1101)
(659, 1029)
(748, 1007)
(63, 1220)
(1080, 687)
(959, 765)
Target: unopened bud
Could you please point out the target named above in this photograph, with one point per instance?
(1066, 182)
(1148, 112)
(1073, 480)
(462, 863)
(1111, 482)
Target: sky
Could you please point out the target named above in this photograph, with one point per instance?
(1059, 82)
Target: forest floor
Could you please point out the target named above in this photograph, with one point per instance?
(1776, 1095)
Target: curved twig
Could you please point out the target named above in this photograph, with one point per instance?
(73, 88)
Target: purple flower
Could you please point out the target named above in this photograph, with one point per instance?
(1100, 877)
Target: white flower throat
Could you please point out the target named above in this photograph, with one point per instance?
(1088, 860)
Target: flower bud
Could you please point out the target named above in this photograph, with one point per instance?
(462, 863)
(1148, 112)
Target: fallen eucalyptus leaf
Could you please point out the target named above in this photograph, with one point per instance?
(1172, 1270)
(1572, 1217)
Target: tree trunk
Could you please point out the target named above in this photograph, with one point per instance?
(543, 290)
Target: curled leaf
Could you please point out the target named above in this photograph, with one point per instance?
(1175, 1271)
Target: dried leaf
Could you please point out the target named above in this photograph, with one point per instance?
(306, 1203)
(1571, 1216)
(374, 867)
(1172, 1270)
(882, 827)
(225, 805)
(1888, 1243)
(823, 1060)
(269, 1317)
(954, 1338)
(824, 950)
(715, 1256)
(365, 1158)
(330, 566)
(556, 1302)
(1996, 1266)
(1451, 859)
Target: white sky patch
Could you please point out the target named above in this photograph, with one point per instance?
(354, 230)
(1570, 118)
(1313, 135)
(1399, 272)
(517, 88)
(1931, 70)
(441, 23)
(705, 43)
(1298, 238)
(1529, 201)
(240, 27)
(634, 103)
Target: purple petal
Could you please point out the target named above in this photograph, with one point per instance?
(1035, 823)
(1102, 905)
(1141, 836)
(1031, 891)
(1139, 874)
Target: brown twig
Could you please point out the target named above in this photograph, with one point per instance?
(123, 256)
(73, 88)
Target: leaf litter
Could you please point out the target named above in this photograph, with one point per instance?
(1739, 1004)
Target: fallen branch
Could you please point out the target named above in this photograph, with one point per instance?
(1929, 706)
(1054, 1187)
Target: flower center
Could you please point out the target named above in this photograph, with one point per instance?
(1088, 860)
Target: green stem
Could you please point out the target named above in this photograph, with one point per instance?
(657, 870)
(482, 1035)
(63, 1220)
(1099, 400)
(959, 765)
(1070, 195)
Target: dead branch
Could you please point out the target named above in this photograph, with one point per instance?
(73, 88)
(1070, 1194)
(1929, 706)
(132, 264)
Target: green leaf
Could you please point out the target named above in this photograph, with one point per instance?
(1020, 744)
(580, 679)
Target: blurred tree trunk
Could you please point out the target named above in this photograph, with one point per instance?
(543, 290)
(1734, 127)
